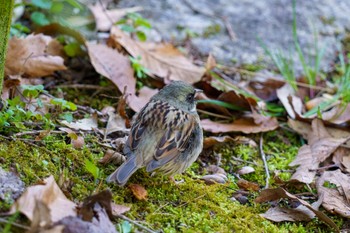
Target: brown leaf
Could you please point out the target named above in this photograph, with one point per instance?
(83, 124)
(216, 178)
(336, 199)
(105, 18)
(212, 141)
(78, 143)
(119, 209)
(99, 223)
(245, 125)
(211, 63)
(138, 191)
(245, 170)
(213, 169)
(320, 146)
(303, 129)
(290, 101)
(51, 195)
(266, 89)
(113, 65)
(112, 157)
(41, 217)
(338, 115)
(30, 56)
(280, 214)
(103, 198)
(162, 60)
(276, 194)
(136, 103)
(238, 100)
(115, 124)
(247, 185)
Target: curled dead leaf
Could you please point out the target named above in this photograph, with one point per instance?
(278, 193)
(245, 170)
(216, 178)
(247, 185)
(51, 195)
(245, 125)
(162, 60)
(113, 65)
(138, 191)
(112, 156)
(30, 56)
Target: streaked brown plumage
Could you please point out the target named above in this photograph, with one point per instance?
(165, 137)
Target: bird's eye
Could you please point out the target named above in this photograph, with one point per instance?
(190, 97)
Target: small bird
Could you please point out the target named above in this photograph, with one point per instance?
(166, 135)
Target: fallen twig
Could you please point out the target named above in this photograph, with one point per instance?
(135, 223)
(263, 157)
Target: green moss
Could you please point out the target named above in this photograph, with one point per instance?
(190, 206)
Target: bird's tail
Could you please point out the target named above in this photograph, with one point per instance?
(123, 173)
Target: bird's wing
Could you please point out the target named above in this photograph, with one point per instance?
(175, 124)
(179, 126)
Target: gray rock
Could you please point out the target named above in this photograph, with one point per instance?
(270, 20)
(11, 186)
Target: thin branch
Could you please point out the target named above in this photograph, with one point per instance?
(263, 157)
(135, 223)
(85, 86)
(214, 114)
(229, 29)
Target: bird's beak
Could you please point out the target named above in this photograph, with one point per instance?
(198, 92)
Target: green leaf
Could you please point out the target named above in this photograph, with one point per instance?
(64, 104)
(92, 168)
(143, 23)
(39, 18)
(72, 49)
(75, 4)
(222, 104)
(127, 28)
(68, 116)
(125, 227)
(43, 4)
(141, 35)
(56, 7)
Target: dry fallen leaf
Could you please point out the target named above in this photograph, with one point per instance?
(136, 103)
(83, 124)
(105, 18)
(115, 124)
(78, 143)
(291, 103)
(49, 194)
(30, 56)
(112, 156)
(119, 209)
(138, 191)
(278, 193)
(113, 65)
(216, 178)
(247, 185)
(162, 60)
(335, 186)
(281, 214)
(245, 170)
(245, 125)
(320, 146)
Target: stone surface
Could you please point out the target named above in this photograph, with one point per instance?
(11, 186)
(270, 20)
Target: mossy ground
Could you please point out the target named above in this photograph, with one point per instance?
(191, 206)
